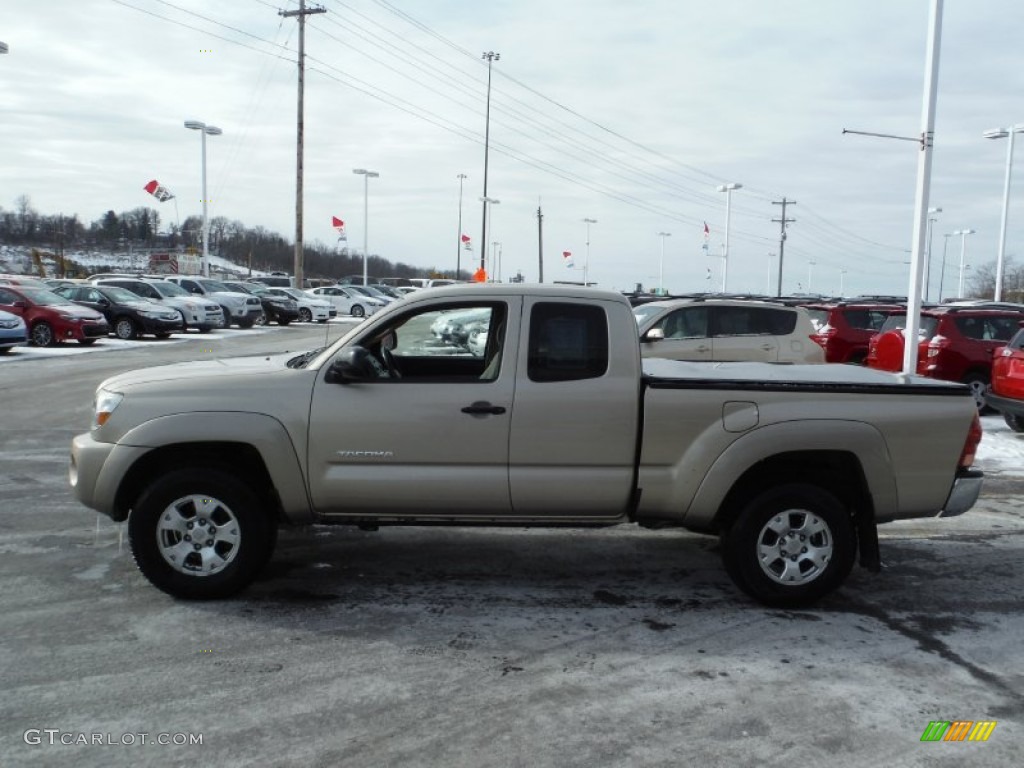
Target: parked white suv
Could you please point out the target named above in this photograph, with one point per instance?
(727, 330)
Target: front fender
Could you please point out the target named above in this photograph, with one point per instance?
(265, 434)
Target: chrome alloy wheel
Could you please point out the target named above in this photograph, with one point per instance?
(198, 535)
(794, 548)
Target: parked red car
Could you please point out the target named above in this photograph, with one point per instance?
(52, 319)
(844, 328)
(1007, 394)
(956, 343)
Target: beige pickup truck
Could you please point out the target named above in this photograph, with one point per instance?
(550, 420)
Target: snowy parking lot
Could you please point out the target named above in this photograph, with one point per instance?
(460, 647)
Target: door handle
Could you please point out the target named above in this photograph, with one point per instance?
(482, 407)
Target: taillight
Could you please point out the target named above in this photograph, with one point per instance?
(971, 443)
(936, 345)
(823, 334)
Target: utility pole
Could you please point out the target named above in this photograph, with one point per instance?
(540, 243)
(301, 14)
(782, 238)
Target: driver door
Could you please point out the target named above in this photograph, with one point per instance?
(432, 441)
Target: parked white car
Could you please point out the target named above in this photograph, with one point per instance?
(310, 307)
(347, 301)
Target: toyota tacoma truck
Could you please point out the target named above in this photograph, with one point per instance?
(556, 421)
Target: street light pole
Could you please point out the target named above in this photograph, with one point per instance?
(488, 202)
(204, 130)
(367, 175)
(928, 257)
(458, 238)
(661, 264)
(727, 188)
(490, 57)
(942, 275)
(586, 261)
(1003, 133)
(963, 250)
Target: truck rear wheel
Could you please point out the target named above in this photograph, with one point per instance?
(199, 534)
(790, 545)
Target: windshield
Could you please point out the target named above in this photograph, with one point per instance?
(240, 287)
(122, 295)
(44, 297)
(926, 326)
(167, 290)
(214, 286)
(643, 313)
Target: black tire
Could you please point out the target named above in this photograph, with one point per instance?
(322, 321)
(357, 310)
(1014, 422)
(793, 532)
(241, 534)
(261, 319)
(979, 385)
(162, 335)
(87, 342)
(125, 328)
(245, 323)
(4, 350)
(43, 335)
(283, 321)
(204, 329)
(226, 322)
(305, 315)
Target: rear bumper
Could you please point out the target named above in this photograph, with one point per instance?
(966, 489)
(1005, 404)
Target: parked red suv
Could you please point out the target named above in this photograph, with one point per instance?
(51, 318)
(956, 342)
(1007, 394)
(844, 328)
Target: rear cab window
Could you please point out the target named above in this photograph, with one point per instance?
(568, 342)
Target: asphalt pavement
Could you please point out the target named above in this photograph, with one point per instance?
(460, 647)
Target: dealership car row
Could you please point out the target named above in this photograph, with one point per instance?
(957, 342)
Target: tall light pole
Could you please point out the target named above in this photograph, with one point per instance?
(488, 202)
(963, 251)
(661, 264)
(367, 175)
(204, 131)
(490, 57)
(727, 188)
(1004, 133)
(928, 256)
(942, 275)
(586, 261)
(458, 237)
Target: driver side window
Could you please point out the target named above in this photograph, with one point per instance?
(454, 343)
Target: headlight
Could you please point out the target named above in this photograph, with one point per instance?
(191, 307)
(70, 318)
(105, 404)
(152, 313)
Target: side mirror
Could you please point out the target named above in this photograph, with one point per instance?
(655, 334)
(103, 303)
(20, 304)
(351, 365)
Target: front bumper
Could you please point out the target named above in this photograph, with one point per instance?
(160, 325)
(966, 489)
(1005, 404)
(96, 470)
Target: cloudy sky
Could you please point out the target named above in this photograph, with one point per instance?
(627, 113)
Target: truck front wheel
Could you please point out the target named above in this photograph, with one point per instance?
(199, 534)
(790, 545)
